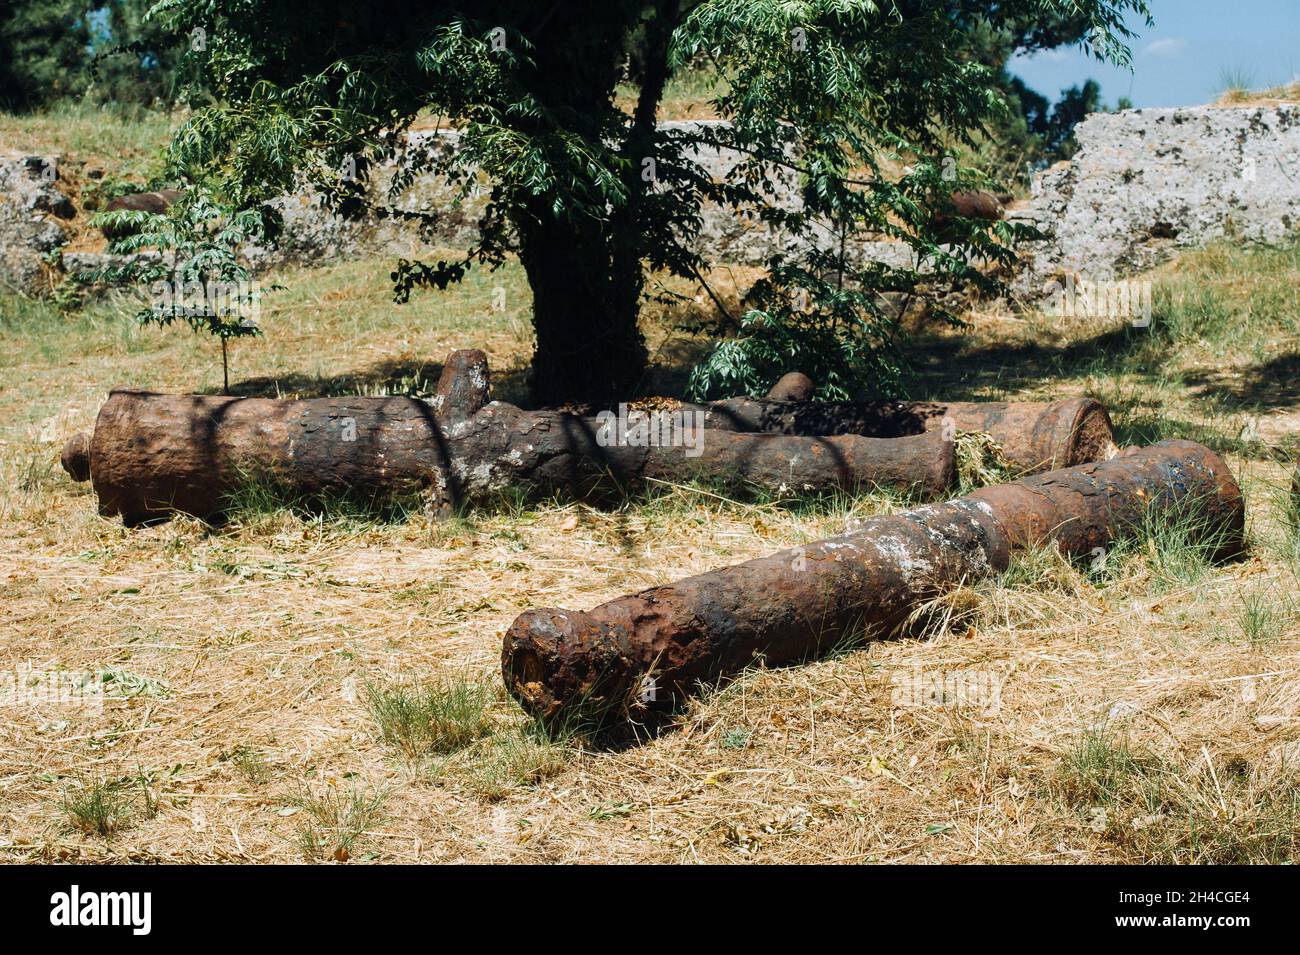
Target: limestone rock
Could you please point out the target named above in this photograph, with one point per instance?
(31, 207)
(1148, 183)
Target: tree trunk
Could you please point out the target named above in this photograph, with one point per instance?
(647, 652)
(584, 262)
(586, 293)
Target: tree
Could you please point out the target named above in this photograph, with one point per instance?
(1070, 110)
(1031, 131)
(591, 197)
(54, 50)
(43, 47)
(134, 58)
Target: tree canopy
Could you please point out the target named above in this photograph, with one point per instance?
(593, 196)
(56, 50)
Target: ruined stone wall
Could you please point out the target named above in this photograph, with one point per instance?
(311, 234)
(1144, 184)
(32, 213)
(1147, 183)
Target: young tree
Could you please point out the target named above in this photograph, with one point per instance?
(588, 195)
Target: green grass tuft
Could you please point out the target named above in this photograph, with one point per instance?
(1164, 811)
(514, 758)
(99, 807)
(1099, 767)
(437, 718)
(332, 822)
(249, 763)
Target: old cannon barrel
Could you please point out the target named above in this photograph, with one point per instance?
(647, 651)
(153, 454)
(1034, 435)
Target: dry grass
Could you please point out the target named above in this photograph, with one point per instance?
(106, 137)
(1240, 95)
(689, 95)
(123, 140)
(1081, 714)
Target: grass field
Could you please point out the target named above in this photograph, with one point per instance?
(326, 687)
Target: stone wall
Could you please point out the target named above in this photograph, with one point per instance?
(1144, 184)
(1147, 183)
(32, 216)
(312, 234)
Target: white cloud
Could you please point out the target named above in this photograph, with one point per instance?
(1170, 46)
(1057, 55)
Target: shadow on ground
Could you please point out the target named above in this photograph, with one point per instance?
(953, 368)
(1274, 383)
(416, 379)
(668, 374)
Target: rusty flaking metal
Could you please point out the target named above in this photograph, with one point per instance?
(646, 652)
(1033, 435)
(152, 455)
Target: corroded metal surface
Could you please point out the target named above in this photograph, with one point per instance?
(76, 457)
(792, 386)
(152, 202)
(977, 204)
(154, 454)
(463, 386)
(645, 652)
(1034, 435)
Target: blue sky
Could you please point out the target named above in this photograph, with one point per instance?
(1183, 59)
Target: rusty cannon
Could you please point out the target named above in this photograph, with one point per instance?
(152, 455)
(642, 654)
(1034, 435)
